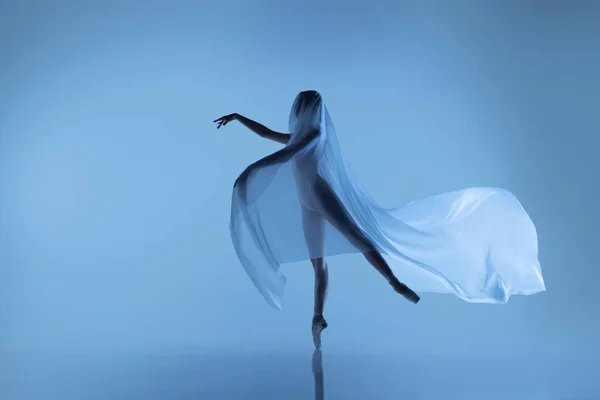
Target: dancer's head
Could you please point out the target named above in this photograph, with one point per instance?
(306, 101)
(306, 111)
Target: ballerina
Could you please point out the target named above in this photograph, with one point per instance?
(477, 243)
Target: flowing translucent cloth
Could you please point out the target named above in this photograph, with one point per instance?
(477, 243)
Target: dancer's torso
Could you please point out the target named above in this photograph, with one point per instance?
(306, 170)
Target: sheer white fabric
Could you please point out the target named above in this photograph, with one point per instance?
(477, 243)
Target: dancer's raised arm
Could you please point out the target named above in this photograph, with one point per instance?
(280, 156)
(255, 127)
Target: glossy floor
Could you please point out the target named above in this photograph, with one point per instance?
(295, 376)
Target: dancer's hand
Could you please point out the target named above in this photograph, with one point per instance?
(224, 120)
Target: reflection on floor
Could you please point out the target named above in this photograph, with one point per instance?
(317, 369)
(287, 376)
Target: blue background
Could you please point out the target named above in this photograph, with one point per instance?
(117, 274)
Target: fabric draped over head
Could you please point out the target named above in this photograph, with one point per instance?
(477, 243)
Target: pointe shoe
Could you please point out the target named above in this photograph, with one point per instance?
(405, 291)
(318, 325)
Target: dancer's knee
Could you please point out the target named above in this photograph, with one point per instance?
(318, 263)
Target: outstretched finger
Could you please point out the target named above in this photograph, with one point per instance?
(218, 119)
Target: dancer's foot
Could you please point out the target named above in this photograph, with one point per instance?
(405, 291)
(318, 324)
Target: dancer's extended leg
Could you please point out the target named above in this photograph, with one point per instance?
(336, 214)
